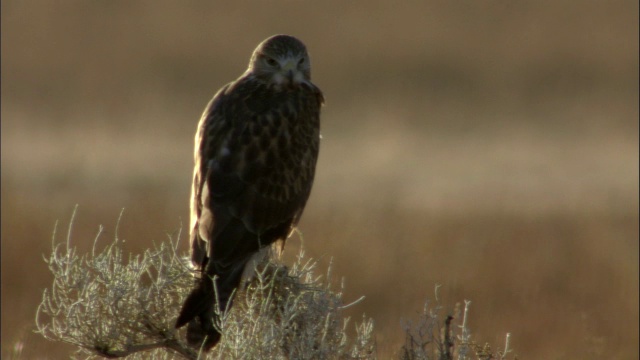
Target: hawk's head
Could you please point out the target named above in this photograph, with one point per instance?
(281, 60)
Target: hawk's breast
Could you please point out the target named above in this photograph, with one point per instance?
(268, 142)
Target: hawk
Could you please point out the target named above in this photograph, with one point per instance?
(256, 149)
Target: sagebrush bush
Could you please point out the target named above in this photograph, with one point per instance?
(109, 304)
(428, 338)
(113, 305)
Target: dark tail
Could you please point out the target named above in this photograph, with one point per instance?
(199, 309)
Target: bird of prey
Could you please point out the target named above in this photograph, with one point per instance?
(256, 149)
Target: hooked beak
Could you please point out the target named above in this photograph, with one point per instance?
(289, 69)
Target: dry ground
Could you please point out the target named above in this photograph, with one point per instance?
(490, 147)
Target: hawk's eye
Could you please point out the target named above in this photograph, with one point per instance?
(271, 62)
(301, 61)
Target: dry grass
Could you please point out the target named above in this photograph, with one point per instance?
(487, 147)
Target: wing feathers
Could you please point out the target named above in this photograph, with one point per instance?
(256, 152)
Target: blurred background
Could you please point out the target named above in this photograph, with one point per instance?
(490, 147)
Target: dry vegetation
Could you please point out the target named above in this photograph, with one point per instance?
(107, 303)
(489, 147)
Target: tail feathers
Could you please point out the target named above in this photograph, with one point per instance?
(199, 309)
(198, 312)
(200, 301)
(202, 334)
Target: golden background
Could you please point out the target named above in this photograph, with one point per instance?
(487, 146)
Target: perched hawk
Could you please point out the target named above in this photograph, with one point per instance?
(255, 156)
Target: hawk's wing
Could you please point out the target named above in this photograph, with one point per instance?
(255, 161)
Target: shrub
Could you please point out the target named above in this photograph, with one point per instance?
(111, 305)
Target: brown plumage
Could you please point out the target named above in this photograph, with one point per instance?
(255, 156)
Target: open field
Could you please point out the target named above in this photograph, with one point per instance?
(488, 147)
